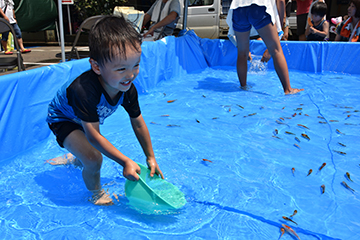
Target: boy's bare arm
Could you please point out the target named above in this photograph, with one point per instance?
(142, 133)
(94, 136)
(281, 10)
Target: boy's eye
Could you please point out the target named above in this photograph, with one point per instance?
(120, 69)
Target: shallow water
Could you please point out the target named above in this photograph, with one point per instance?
(241, 194)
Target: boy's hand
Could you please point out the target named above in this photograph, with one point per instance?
(131, 171)
(154, 167)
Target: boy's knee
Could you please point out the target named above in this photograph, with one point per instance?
(93, 160)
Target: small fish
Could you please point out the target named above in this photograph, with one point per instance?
(282, 232)
(282, 118)
(252, 114)
(294, 213)
(279, 122)
(164, 94)
(321, 117)
(283, 108)
(274, 136)
(171, 101)
(322, 166)
(322, 189)
(288, 117)
(306, 115)
(293, 172)
(298, 109)
(215, 118)
(203, 96)
(296, 145)
(300, 125)
(305, 136)
(299, 113)
(240, 106)
(172, 125)
(341, 144)
(339, 152)
(338, 131)
(356, 110)
(154, 123)
(347, 186)
(197, 121)
(276, 131)
(297, 139)
(165, 115)
(229, 109)
(287, 132)
(288, 219)
(289, 229)
(348, 115)
(310, 171)
(207, 160)
(348, 176)
(333, 121)
(293, 115)
(235, 115)
(322, 122)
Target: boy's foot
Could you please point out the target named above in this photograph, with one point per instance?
(66, 159)
(295, 90)
(100, 197)
(8, 52)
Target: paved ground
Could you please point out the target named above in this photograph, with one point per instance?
(40, 56)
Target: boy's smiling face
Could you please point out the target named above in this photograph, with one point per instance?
(119, 73)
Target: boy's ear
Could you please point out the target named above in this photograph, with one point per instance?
(95, 66)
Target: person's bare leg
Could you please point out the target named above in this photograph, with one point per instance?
(270, 36)
(4, 45)
(91, 160)
(21, 45)
(242, 39)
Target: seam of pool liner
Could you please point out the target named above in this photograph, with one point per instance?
(264, 220)
(328, 143)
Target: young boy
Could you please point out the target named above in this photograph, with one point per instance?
(318, 29)
(81, 105)
(262, 15)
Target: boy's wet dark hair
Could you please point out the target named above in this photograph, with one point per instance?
(357, 5)
(110, 33)
(319, 8)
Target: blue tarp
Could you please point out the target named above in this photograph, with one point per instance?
(25, 95)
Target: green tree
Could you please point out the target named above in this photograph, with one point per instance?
(88, 8)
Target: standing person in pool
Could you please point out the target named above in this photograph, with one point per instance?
(262, 14)
(81, 106)
(349, 29)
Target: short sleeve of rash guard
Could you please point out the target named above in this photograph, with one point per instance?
(83, 98)
(131, 102)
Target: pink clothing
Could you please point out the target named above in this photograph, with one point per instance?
(303, 6)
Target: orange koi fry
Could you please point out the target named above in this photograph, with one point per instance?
(171, 101)
(207, 160)
(289, 229)
(294, 213)
(322, 166)
(322, 189)
(301, 125)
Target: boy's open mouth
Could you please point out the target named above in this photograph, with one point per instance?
(127, 83)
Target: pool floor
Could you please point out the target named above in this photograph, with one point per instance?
(252, 140)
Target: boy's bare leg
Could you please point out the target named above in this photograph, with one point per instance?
(91, 159)
(242, 39)
(270, 36)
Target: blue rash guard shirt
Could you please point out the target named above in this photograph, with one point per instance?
(84, 99)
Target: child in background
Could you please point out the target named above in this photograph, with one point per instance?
(262, 15)
(349, 29)
(81, 105)
(318, 29)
